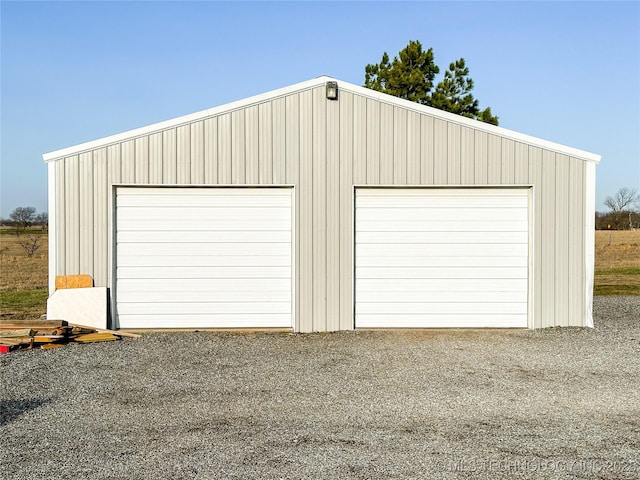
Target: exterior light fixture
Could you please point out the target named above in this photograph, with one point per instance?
(332, 90)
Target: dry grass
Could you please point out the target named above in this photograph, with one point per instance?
(23, 280)
(617, 249)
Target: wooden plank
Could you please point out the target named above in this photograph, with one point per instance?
(47, 346)
(104, 330)
(95, 337)
(21, 332)
(47, 338)
(74, 281)
(35, 324)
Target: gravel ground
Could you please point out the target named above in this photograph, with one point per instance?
(554, 403)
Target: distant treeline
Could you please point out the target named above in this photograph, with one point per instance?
(625, 220)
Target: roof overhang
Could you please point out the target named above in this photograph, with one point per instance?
(309, 84)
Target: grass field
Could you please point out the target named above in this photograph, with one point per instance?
(24, 281)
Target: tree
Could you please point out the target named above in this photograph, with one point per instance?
(622, 206)
(411, 76)
(23, 217)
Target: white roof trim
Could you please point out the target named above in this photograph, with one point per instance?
(356, 89)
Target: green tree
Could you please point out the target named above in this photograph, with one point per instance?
(411, 76)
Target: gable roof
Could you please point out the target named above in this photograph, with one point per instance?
(316, 82)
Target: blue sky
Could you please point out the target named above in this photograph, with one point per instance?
(568, 72)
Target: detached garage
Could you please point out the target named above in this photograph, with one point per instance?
(305, 210)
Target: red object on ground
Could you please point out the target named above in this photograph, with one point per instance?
(4, 348)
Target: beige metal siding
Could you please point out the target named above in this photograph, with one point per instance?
(324, 148)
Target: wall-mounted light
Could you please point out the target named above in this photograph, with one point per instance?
(332, 90)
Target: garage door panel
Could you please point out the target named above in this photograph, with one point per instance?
(206, 296)
(441, 257)
(442, 321)
(442, 226)
(427, 285)
(205, 260)
(442, 237)
(390, 296)
(436, 272)
(420, 261)
(445, 308)
(221, 286)
(203, 257)
(212, 321)
(443, 250)
(208, 308)
(190, 214)
(205, 225)
(128, 250)
(438, 214)
(417, 200)
(199, 240)
(186, 273)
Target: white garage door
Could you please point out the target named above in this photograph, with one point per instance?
(441, 257)
(203, 257)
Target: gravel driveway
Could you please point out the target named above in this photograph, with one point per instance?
(554, 403)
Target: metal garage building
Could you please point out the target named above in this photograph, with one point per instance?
(298, 210)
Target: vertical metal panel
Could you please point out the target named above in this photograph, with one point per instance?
(292, 177)
(373, 141)
(292, 146)
(305, 207)
(521, 164)
(346, 210)
(319, 156)
(535, 178)
(508, 161)
(224, 148)
(481, 160)
(211, 151)
(440, 167)
(266, 141)
(333, 188)
(128, 162)
(183, 154)
(576, 242)
(562, 206)
(61, 218)
(155, 158)
(52, 206)
(547, 222)
(197, 153)
(72, 220)
(413, 148)
(427, 163)
(494, 159)
(453, 154)
(386, 144)
(251, 145)
(359, 139)
(467, 160)
(399, 146)
(278, 110)
(86, 195)
(169, 161)
(142, 160)
(589, 238)
(101, 243)
(238, 158)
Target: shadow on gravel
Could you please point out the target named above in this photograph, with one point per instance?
(10, 410)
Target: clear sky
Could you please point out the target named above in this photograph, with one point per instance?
(72, 72)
